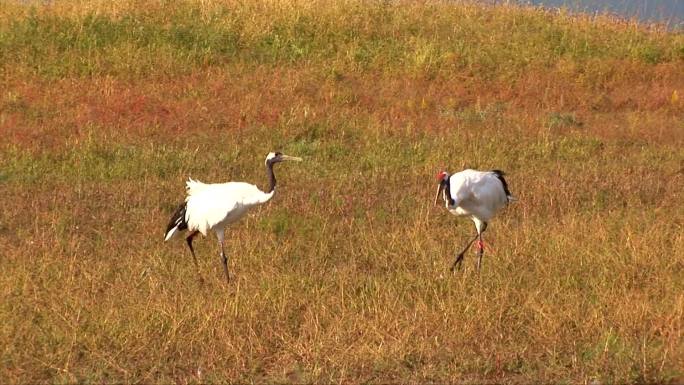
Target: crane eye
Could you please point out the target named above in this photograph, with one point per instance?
(278, 154)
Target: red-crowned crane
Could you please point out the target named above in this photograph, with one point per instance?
(214, 206)
(475, 194)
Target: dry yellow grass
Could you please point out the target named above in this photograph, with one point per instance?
(343, 277)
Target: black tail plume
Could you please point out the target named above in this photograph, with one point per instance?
(177, 222)
(500, 175)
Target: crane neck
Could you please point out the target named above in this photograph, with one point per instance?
(447, 192)
(271, 177)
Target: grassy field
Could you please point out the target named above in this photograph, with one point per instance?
(107, 107)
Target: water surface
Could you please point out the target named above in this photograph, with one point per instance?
(669, 12)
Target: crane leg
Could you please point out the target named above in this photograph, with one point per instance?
(192, 251)
(480, 252)
(459, 256)
(224, 258)
(189, 239)
(481, 227)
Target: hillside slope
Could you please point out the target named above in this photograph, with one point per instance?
(107, 107)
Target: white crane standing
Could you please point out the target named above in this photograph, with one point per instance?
(214, 206)
(476, 194)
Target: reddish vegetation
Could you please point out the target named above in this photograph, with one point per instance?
(217, 101)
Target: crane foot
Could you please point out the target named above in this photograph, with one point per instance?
(457, 263)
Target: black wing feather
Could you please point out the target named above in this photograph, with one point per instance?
(178, 219)
(500, 175)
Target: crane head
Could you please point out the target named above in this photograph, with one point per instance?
(442, 178)
(275, 157)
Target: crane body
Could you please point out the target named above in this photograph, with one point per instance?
(478, 195)
(215, 206)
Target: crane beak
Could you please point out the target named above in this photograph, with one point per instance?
(293, 158)
(440, 187)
